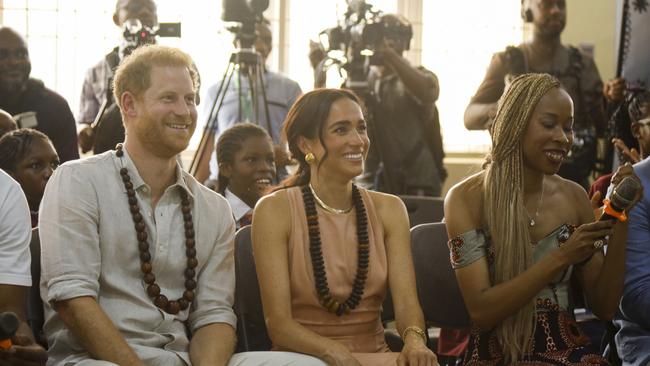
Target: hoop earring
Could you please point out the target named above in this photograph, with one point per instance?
(310, 158)
(528, 16)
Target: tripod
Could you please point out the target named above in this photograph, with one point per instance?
(248, 62)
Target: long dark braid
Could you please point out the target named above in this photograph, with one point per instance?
(639, 104)
(15, 145)
(230, 142)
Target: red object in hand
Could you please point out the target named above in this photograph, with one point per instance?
(8, 326)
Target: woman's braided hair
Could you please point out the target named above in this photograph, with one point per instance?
(15, 145)
(504, 201)
(639, 104)
(230, 142)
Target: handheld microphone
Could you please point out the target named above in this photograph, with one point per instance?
(8, 326)
(621, 199)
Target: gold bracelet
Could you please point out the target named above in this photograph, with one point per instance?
(417, 331)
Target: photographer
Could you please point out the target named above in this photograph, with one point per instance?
(546, 54)
(96, 86)
(280, 91)
(406, 154)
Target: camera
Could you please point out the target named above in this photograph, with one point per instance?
(246, 13)
(136, 34)
(370, 35)
(351, 45)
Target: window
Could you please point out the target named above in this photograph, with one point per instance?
(66, 37)
(478, 28)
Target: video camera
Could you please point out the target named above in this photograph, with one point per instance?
(247, 13)
(351, 44)
(136, 34)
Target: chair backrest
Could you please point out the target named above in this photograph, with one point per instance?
(35, 317)
(423, 210)
(251, 328)
(440, 297)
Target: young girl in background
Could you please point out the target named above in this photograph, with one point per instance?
(29, 157)
(246, 168)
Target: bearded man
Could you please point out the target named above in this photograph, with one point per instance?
(137, 256)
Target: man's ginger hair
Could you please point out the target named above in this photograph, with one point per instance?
(134, 73)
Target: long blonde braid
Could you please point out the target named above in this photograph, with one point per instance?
(504, 201)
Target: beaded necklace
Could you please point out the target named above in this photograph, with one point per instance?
(318, 263)
(153, 290)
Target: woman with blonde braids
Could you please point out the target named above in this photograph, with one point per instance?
(519, 232)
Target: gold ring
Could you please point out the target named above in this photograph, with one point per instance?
(599, 243)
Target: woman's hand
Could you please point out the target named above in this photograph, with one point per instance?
(631, 155)
(339, 355)
(614, 90)
(23, 352)
(583, 243)
(416, 353)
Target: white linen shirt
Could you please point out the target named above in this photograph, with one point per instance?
(89, 248)
(15, 234)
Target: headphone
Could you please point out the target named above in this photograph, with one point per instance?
(526, 13)
(403, 29)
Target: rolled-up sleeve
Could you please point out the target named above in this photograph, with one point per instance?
(68, 221)
(635, 303)
(216, 282)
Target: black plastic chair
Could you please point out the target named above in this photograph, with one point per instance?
(423, 210)
(608, 345)
(440, 298)
(251, 327)
(35, 317)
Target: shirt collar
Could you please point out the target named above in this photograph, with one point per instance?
(137, 180)
(239, 207)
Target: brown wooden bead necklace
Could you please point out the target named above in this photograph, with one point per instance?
(318, 263)
(153, 290)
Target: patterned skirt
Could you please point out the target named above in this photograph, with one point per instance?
(557, 341)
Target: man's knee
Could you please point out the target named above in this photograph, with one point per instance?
(91, 362)
(273, 358)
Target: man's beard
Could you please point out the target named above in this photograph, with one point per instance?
(12, 87)
(552, 31)
(151, 133)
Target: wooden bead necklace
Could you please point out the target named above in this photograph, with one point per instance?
(153, 290)
(318, 263)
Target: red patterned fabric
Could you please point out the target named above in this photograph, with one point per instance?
(557, 341)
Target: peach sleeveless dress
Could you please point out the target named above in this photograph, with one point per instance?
(361, 331)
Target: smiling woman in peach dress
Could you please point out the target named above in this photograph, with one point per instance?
(326, 250)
